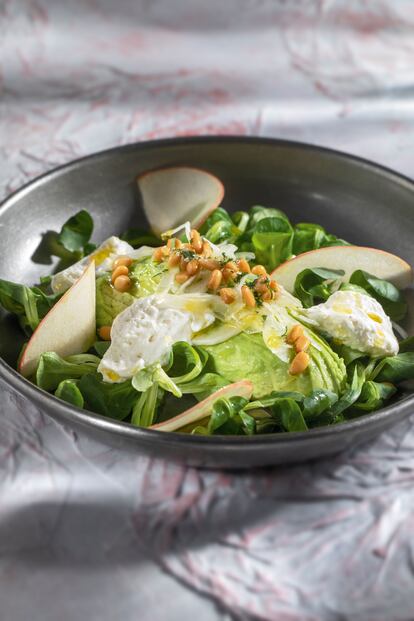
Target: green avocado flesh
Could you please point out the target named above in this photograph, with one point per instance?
(246, 356)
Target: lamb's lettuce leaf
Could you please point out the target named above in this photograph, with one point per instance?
(30, 304)
(387, 294)
(76, 233)
(52, 369)
(111, 400)
(68, 391)
(373, 395)
(395, 369)
(315, 285)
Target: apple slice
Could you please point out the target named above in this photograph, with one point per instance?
(244, 388)
(348, 258)
(172, 196)
(68, 328)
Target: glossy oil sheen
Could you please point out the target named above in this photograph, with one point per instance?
(357, 200)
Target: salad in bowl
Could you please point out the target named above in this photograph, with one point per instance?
(215, 323)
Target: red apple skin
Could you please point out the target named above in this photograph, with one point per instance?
(244, 388)
(403, 271)
(198, 222)
(28, 365)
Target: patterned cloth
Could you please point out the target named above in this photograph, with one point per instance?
(87, 532)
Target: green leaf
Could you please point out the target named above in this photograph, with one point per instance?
(145, 408)
(111, 400)
(395, 369)
(315, 285)
(203, 385)
(219, 227)
(271, 399)
(30, 304)
(143, 380)
(373, 395)
(227, 418)
(52, 369)
(347, 354)
(317, 402)
(186, 362)
(387, 294)
(76, 232)
(352, 393)
(101, 347)
(272, 241)
(307, 237)
(68, 391)
(165, 382)
(288, 414)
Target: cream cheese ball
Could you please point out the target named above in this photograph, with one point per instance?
(142, 335)
(356, 320)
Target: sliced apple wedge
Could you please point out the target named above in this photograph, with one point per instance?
(243, 388)
(172, 196)
(348, 258)
(68, 328)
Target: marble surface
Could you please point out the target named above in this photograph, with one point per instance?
(90, 533)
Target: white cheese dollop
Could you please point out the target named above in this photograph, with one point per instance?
(142, 335)
(356, 320)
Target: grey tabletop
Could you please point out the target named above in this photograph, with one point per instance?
(88, 532)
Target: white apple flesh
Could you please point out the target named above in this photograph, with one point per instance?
(348, 258)
(244, 388)
(172, 196)
(68, 328)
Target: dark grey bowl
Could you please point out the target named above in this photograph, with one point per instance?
(353, 198)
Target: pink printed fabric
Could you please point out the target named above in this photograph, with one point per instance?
(89, 532)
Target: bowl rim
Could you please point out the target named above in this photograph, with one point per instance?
(67, 413)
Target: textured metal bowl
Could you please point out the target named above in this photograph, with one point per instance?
(353, 198)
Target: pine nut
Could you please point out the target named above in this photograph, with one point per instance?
(230, 265)
(158, 254)
(192, 267)
(121, 270)
(244, 266)
(228, 274)
(302, 343)
(267, 296)
(261, 285)
(124, 260)
(181, 278)
(174, 259)
(227, 295)
(299, 363)
(105, 333)
(294, 333)
(196, 241)
(207, 249)
(215, 280)
(259, 270)
(122, 283)
(248, 297)
(183, 264)
(209, 264)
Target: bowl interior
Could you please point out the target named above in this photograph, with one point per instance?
(355, 200)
